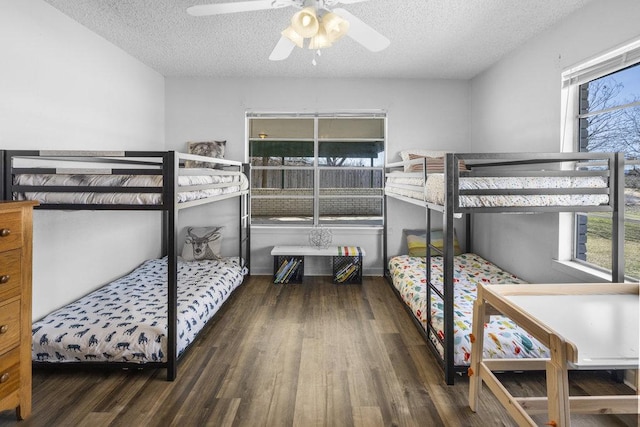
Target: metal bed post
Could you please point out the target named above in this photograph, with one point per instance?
(427, 244)
(468, 218)
(616, 173)
(427, 259)
(617, 220)
(385, 239)
(451, 181)
(240, 230)
(469, 232)
(170, 169)
(427, 262)
(245, 218)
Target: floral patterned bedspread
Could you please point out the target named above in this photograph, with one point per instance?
(126, 320)
(503, 338)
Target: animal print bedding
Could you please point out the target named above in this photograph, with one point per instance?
(126, 320)
(503, 339)
(225, 184)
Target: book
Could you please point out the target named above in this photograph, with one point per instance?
(347, 274)
(292, 271)
(283, 272)
(343, 269)
(282, 266)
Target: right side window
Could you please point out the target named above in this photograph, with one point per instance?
(609, 120)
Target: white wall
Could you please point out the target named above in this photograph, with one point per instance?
(64, 87)
(515, 106)
(421, 113)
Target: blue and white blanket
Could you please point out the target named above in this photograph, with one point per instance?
(126, 320)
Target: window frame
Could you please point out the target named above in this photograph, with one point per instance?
(573, 79)
(317, 168)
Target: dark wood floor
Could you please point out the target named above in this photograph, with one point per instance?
(314, 354)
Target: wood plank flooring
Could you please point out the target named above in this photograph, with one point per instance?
(313, 354)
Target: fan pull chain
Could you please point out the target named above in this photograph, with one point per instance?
(317, 52)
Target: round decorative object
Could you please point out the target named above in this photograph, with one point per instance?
(320, 237)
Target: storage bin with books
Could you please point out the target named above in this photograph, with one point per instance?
(288, 269)
(347, 269)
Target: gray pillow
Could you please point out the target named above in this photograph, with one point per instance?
(202, 243)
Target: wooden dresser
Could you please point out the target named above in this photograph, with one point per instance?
(16, 221)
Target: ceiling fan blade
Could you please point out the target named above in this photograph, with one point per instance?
(283, 49)
(363, 33)
(351, 1)
(239, 6)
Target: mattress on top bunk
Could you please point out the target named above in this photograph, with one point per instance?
(407, 186)
(434, 191)
(126, 320)
(503, 338)
(228, 184)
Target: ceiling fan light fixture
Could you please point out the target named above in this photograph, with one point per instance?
(318, 20)
(292, 35)
(320, 40)
(335, 26)
(305, 22)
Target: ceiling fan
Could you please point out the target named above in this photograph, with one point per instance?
(316, 21)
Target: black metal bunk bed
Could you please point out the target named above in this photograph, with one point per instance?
(609, 167)
(166, 167)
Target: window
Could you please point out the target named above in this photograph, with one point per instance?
(310, 169)
(608, 119)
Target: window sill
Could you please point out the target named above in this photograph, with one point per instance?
(580, 271)
(278, 229)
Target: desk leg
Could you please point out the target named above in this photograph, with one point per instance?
(558, 383)
(477, 330)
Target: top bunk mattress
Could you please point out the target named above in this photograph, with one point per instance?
(223, 183)
(434, 191)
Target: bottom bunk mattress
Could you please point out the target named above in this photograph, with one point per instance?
(126, 320)
(504, 339)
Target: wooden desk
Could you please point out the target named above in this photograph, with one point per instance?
(585, 326)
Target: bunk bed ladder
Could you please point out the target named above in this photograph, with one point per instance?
(447, 252)
(430, 332)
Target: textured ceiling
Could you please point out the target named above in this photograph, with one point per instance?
(429, 38)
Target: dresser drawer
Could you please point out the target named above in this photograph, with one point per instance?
(10, 230)
(9, 325)
(9, 372)
(10, 274)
